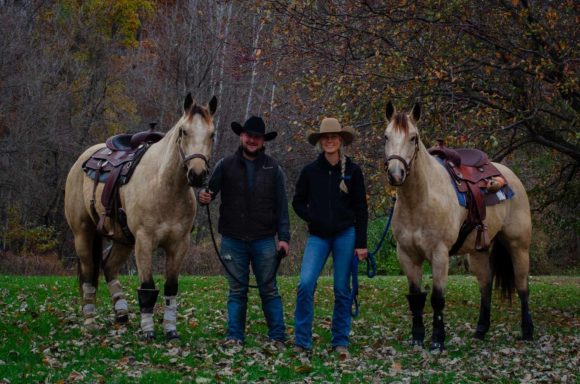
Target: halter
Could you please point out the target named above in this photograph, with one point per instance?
(186, 158)
(402, 160)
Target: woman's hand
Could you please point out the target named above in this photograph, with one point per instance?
(361, 253)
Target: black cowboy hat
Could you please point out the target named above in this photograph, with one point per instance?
(254, 126)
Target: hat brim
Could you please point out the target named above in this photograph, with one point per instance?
(238, 129)
(347, 137)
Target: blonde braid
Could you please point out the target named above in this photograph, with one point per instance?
(342, 185)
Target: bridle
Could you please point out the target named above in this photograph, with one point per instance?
(402, 160)
(185, 158)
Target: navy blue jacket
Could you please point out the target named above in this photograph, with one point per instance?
(327, 210)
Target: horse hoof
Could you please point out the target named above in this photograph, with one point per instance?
(479, 335)
(148, 336)
(528, 337)
(122, 319)
(171, 336)
(436, 347)
(416, 343)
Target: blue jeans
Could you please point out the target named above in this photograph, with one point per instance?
(315, 255)
(261, 254)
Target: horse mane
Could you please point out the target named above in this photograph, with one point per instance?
(198, 109)
(401, 123)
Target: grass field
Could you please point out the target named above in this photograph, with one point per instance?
(41, 338)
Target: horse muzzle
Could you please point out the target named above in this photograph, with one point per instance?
(195, 179)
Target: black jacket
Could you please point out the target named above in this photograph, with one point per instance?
(327, 210)
(255, 214)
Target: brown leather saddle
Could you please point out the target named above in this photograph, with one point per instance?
(472, 171)
(114, 165)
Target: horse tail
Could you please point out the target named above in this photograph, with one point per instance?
(502, 269)
(97, 255)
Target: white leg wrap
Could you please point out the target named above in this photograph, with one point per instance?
(147, 322)
(89, 295)
(170, 315)
(118, 296)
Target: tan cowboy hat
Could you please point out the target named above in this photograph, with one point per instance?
(331, 125)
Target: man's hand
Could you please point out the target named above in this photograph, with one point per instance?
(204, 196)
(361, 253)
(283, 248)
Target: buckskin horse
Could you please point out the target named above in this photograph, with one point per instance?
(158, 205)
(427, 222)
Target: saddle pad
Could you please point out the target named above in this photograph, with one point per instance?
(505, 193)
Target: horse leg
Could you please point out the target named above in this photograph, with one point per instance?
(416, 298)
(147, 294)
(174, 257)
(520, 259)
(117, 255)
(88, 245)
(440, 265)
(479, 265)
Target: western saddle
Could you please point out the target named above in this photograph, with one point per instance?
(113, 165)
(474, 175)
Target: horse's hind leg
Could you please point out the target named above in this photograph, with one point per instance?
(416, 298)
(520, 259)
(115, 257)
(88, 245)
(440, 265)
(479, 265)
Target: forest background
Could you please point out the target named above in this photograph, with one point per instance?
(499, 75)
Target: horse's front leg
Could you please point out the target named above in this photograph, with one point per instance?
(114, 259)
(416, 298)
(480, 266)
(439, 265)
(147, 294)
(175, 254)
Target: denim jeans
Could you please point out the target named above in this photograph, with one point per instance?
(261, 254)
(315, 255)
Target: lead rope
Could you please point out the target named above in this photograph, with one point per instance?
(279, 256)
(371, 264)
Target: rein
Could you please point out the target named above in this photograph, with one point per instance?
(279, 256)
(371, 263)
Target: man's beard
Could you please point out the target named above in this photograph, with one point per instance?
(252, 154)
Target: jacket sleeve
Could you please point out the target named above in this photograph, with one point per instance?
(215, 181)
(360, 209)
(282, 202)
(300, 200)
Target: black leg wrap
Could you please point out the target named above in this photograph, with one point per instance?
(417, 304)
(527, 323)
(438, 337)
(484, 313)
(147, 299)
(170, 288)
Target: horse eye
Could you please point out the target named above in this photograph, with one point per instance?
(212, 135)
(414, 139)
(183, 133)
(386, 138)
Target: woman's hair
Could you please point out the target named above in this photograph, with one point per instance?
(342, 186)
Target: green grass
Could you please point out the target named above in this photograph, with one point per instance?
(42, 340)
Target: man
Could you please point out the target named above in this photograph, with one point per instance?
(254, 208)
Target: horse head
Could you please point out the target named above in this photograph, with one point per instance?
(195, 139)
(401, 142)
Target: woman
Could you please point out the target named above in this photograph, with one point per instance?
(331, 198)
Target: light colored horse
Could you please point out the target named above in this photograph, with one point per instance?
(426, 222)
(160, 205)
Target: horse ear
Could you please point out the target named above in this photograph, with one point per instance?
(416, 112)
(390, 111)
(188, 102)
(212, 105)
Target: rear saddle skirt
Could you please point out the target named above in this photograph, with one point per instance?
(114, 165)
(480, 181)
